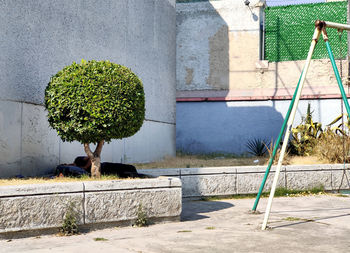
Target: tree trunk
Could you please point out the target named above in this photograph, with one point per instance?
(95, 158)
(96, 167)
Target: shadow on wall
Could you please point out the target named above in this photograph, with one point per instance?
(224, 127)
(203, 47)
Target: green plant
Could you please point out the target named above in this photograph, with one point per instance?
(342, 128)
(100, 239)
(95, 102)
(257, 146)
(305, 135)
(70, 226)
(184, 231)
(280, 192)
(142, 219)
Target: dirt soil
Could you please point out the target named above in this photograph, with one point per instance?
(198, 161)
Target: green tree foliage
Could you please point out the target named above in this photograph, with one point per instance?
(93, 102)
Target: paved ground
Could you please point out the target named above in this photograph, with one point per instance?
(302, 224)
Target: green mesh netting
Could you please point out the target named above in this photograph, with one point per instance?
(289, 30)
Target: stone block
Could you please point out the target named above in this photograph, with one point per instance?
(303, 180)
(250, 182)
(340, 179)
(209, 171)
(40, 189)
(135, 184)
(123, 205)
(37, 212)
(172, 172)
(209, 185)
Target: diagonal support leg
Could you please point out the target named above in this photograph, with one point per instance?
(289, 126)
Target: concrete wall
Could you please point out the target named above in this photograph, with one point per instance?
(218, 55)
(221, 181)
(44, 206)
(38, 38)
(226, 94)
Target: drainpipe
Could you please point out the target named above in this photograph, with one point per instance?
(261, 4)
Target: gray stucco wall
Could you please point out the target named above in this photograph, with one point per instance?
(38, 38)
(225, 127)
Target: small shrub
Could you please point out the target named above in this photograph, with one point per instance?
(286, 158)
(142, 219)
(95, 102)
(330, 147)
(257, 147)
(70, 226)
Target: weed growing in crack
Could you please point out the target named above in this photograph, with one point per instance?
(70, 226)
(142, 219)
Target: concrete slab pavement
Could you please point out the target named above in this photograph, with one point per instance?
(318, 223)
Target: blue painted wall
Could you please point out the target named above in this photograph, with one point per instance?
(225, 127)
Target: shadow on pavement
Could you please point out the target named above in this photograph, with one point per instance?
(194, 209)
(317, 220)
(312, 210)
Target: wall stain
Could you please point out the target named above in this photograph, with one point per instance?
(219, 59)
(189, 75)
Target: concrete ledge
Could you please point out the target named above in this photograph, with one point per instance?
(43, 206)
(221, 181)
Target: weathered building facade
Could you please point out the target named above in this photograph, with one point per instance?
(228, 91)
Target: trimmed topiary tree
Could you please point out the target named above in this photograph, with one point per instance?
(95, 102)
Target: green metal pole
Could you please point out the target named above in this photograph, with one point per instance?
(340, 84)
(295, 95)
(272, 158)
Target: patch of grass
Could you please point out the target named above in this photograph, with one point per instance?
(298, 219)
(342, 195)
(210, 228)
(99, 239)
(41, 180)
(280, 192)
(292, 219)
(184, 231)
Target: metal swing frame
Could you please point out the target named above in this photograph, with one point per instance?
(320, 28)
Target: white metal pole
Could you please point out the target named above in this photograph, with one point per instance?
(337, 25)
(289, 126)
